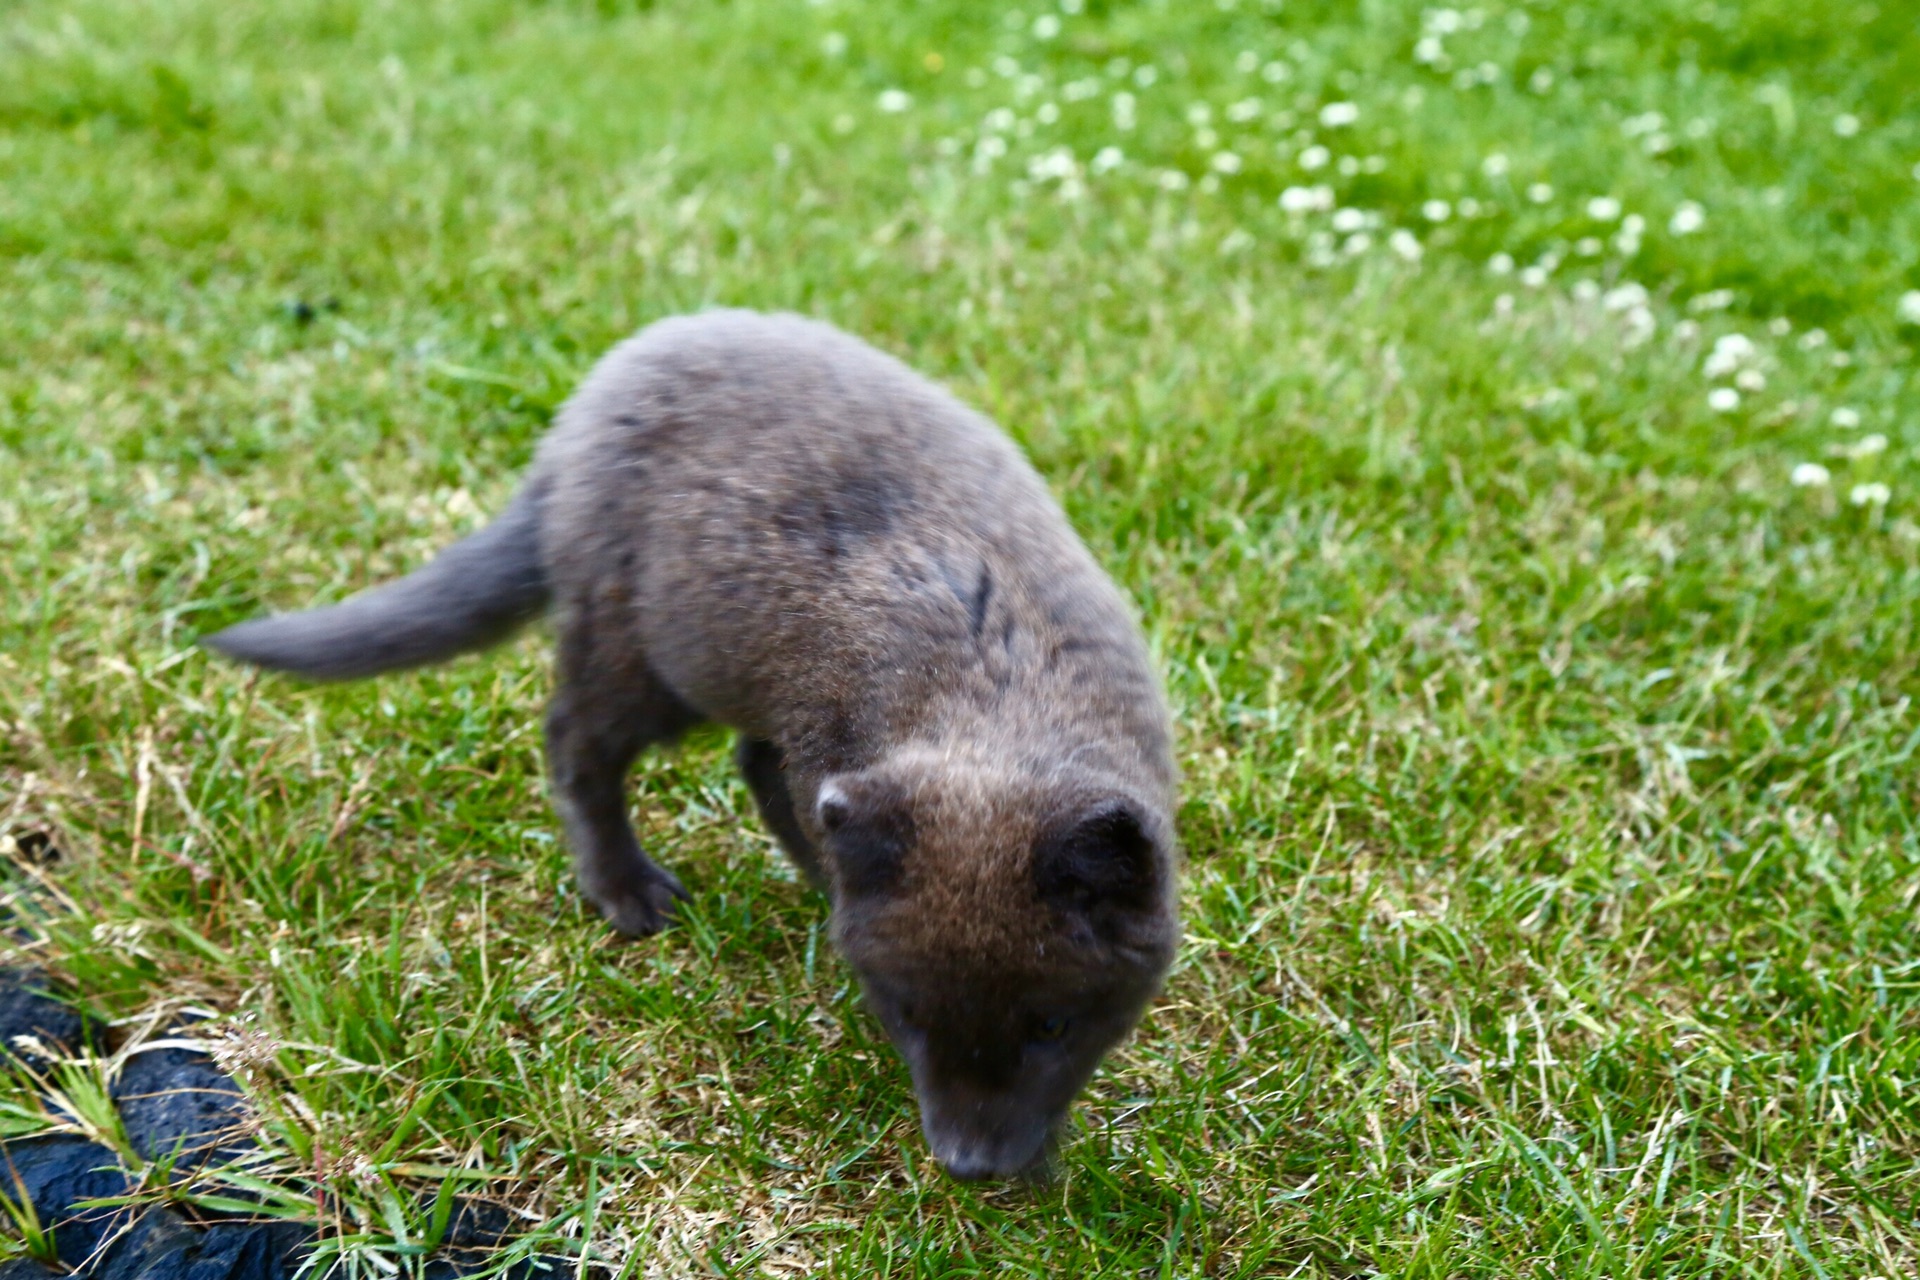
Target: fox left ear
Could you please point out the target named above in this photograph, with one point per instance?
(869, 828)
(1104, 858)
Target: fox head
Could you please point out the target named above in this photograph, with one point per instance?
(1008, 927)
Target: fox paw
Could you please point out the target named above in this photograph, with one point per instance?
(642, 906)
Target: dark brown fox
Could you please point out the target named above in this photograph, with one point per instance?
(945, 712)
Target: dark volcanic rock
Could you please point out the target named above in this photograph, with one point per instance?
(59, 1171)
(163, 1247)
(177, 1102)
(27, 1010)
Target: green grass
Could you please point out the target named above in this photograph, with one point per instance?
(1553, 898)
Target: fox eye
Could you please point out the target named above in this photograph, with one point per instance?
(1051, 1029)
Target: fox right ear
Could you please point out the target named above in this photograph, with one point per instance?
(869, 828)
(1104, 860)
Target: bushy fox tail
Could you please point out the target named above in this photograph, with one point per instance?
(475, 593)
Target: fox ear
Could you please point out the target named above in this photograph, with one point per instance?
(869, 828)
(1105, 858)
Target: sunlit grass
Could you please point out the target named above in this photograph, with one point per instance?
(1504, 418)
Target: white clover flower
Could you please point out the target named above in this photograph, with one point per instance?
(1080, 90)
(1072, 6)
(1779, 326)
(1811, 475)
(1640, 325)
(1337, 114)
(1585, 291)
(1730, 351)
(1533, 277)
(1873, 494)
(1867, 447)
(1123, 104)
(1275, 72)
(1495, 165)
(1239, 240)
(1646, 122)
(894, 101)
(1307, 199)
(1603, 208)
(1844, 418)
(1315, 157)
(1540, 192)
(1588, 246)
(1719, 364)
(1347, 220)
(1846, 124)
(1501, 264)
(1712, 300)
(1107, 159)
(1247, 63)
(1205, 139)
(833, 44)
(1046, 26)
(1468, 207)
(1723, 400)
(1244, 110)
(1049, 113)
(1199, 113)
(1750, 380)
(1909, 308)
(1541, 81)
(1357, 243)
(1226, 162)
(1436, 211)
(1405, 244)
(1687, 219)
(1444, 21)
(1144, 75)
(1625, 297)
(1429, 50)
(1057, 163)
(1813, 339)
(987, 150)
(1172, 180)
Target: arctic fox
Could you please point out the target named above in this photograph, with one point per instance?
(945, 711)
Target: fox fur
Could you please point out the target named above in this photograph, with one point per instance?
(945, 710)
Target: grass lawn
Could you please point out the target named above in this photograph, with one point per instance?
(1505, 419)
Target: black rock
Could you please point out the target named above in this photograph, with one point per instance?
(161, 1246)
(57, 1172)
(27, 1010)
(177, 1102)
(27, 1269)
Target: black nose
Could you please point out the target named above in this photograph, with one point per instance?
(970, 1168)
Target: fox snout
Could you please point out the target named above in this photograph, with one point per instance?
(981, 1142)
